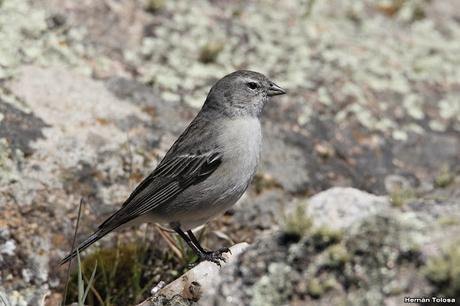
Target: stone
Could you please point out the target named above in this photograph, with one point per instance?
(341, 207)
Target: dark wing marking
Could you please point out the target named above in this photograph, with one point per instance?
(169, 179)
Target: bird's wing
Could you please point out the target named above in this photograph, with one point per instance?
(170, 178)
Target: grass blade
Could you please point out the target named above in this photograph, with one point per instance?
(90, 282)
(81, 286)
(73, 247)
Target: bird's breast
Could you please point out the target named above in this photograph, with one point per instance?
(240, 140)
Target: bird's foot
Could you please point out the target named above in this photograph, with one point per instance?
(215, 256)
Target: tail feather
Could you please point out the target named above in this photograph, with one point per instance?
(85, 244)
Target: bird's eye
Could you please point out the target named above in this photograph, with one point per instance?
(252, 85)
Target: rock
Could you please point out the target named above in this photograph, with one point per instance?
(19, 128)
(282, 159)
(340, 207)
(8, 248)
(74, 143)
(25, 297)
(193, 284)
(376, 256)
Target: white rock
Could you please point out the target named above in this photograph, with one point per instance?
(8, 248)
(340, 207)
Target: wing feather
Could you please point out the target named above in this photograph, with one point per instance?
(170, 178)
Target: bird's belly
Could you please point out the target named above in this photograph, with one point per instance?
(206, 200)
(222, 189)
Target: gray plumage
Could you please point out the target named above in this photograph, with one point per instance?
(209, 166)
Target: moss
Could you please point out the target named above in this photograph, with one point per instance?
(264, 182)
(210, 51)
(387, 237)
(337, 256)
(298, 222)
(324, 236)
(418, 13)
(368, 262)
(444, 178)
(443, 272)
(153, 6)
(314, 288)
(330, 283)
(449, 221)
(401, 195)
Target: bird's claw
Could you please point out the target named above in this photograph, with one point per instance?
(216, 256)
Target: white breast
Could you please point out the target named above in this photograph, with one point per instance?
(241, 137)
(240, 140)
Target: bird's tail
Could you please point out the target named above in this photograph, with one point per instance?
(89, 241)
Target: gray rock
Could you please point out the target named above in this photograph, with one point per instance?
(19, 128)
(376, 256)
(340, 207)
(77, 147)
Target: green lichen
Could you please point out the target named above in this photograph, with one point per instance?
(298, 222)
(443, 272)
(325, 236)
(264, 182)
(449, 221)
(401, 195)
(210, 51)
(314, 288)
(444, 178)
(366, 86)
(337, 256)
(274, 288)
(368, 262)
(26, 39)
(153, 6)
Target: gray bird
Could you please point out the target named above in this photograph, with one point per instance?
(207, 169)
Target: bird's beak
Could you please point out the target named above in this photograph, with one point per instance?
(275, 90)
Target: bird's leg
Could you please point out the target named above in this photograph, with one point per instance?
(212, 254)
(196, 242)
(186, 238)
(214, 257)
(197, 250)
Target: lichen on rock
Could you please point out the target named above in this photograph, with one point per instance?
(378, 259)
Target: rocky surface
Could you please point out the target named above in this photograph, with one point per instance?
(378, 258)
(93, 93)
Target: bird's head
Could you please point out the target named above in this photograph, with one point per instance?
(242, 93)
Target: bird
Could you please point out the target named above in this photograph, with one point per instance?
(206, 170)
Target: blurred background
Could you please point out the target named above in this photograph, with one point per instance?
(92, 94)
